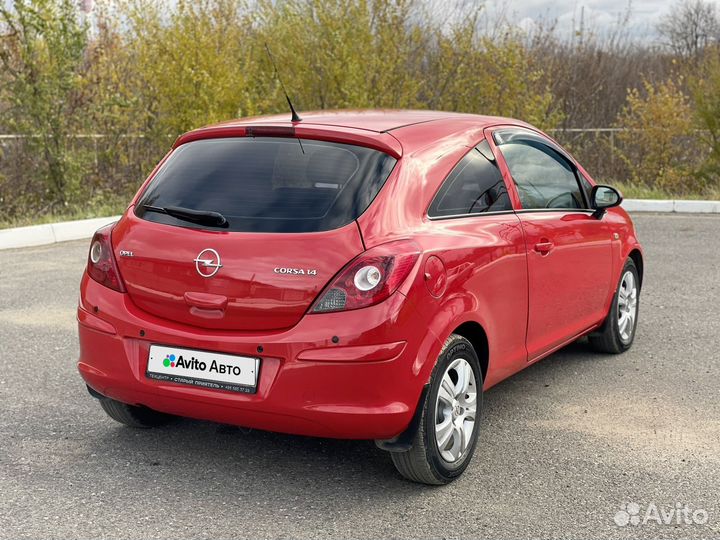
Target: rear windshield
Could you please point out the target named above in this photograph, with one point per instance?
(268, 184)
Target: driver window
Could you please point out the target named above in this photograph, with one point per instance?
(543, 178)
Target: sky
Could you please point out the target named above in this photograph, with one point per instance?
(599, 15)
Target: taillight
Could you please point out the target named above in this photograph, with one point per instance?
(101, 261)
(370, 278)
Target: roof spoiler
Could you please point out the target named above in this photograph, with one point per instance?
(383, 142)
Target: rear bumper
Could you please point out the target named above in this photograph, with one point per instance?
(365, 386)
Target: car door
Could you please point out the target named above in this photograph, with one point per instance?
(472, 207)
(569, 251)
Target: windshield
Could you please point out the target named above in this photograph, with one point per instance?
(267, 184)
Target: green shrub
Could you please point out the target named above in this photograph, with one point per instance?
(705, 86)
(658, 126)
(42, 49)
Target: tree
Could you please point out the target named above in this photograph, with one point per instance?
(481, 75)
(705, 87)
(657, 125)
(191, 64)
(690, 27)
(42, 43)
(340, 53)
(395, 54)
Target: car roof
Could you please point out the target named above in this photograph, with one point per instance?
(412, 128)
(378, 120)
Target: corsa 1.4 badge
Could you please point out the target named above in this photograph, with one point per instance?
(295, 271)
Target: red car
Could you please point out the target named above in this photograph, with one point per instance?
(358, 274)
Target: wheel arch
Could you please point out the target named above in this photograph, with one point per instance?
(637, 258)
(476, 335)
(462, 315)
(471, 330)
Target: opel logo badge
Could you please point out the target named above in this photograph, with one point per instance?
(207, 263)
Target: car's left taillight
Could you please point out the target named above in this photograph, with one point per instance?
(101, 265)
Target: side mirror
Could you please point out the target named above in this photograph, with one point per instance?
(602, 198)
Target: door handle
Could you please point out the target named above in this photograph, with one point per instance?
(206, 301)
(543, 247)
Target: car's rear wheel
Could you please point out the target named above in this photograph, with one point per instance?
(447, 434)
(132, 415)
(617, 333)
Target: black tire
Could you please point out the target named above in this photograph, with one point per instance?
(134, 416)
(423, 462)
(608, 339)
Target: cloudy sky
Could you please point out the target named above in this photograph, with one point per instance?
(599, 15)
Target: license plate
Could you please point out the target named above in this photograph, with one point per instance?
(202, 368)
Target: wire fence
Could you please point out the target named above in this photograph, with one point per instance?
(595, 148)
(597, 145)
(105, 165)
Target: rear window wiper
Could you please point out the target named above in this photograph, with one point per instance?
(201, 217)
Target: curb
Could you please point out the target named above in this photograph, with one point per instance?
(672, 206)
(51, 233)
(39, 235)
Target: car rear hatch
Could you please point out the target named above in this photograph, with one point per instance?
(286, 226)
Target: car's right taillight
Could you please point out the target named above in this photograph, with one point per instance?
(101, 261)
(370, 278)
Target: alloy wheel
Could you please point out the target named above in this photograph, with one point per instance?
(627, 306)
(456, 408)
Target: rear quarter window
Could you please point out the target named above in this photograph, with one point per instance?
(474, 186)
(268, 184)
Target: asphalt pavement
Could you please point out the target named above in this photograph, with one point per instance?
(565, 445)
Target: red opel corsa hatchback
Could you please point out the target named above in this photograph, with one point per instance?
(359, 275)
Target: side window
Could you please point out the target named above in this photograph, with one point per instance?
(544, 179)
(586, 185)
(474, 186)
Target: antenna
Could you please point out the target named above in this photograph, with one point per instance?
(295, 117)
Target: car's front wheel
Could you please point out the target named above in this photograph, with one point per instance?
(617, 333)
(447, 434)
